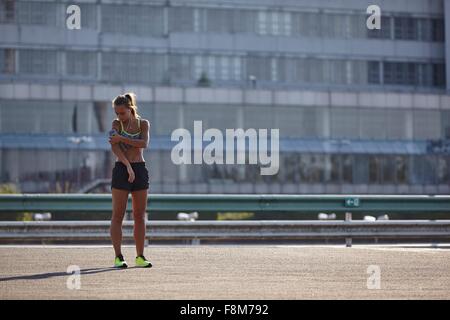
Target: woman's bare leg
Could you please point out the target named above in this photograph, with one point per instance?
(139, 213)
(119, 200)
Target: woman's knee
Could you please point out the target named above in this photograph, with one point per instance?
(139, 216)
(117, 218)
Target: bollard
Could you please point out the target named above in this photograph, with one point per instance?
(348, 218)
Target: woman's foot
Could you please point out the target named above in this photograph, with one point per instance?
(142, 262)
(120, 262)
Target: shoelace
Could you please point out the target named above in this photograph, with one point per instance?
(121, 257)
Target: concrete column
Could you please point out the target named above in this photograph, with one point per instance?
(2, 176)
(1, 116)
(240, 124)
(409, 116)
(326, 123)
(182, 169)
(166, 20)
(447, 40)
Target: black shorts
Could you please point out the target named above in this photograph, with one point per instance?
(120, 176)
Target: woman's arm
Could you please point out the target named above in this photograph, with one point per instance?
(116, 147)
(139, 143)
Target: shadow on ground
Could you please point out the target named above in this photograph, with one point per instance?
(40, 276)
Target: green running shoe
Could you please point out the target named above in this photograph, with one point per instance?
(120, 262)
(142, 262)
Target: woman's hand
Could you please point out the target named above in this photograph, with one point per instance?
(114, 139)
(130, 174)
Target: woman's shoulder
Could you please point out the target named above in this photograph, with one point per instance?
(115, 123)
(144, 121)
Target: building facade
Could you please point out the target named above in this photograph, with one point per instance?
(358, 110)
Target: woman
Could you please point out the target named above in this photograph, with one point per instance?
(128, 138)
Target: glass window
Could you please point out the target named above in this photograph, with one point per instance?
(439, 79)
(424, 169)
(199, 15)
(137, 20)
(181, 19)
(237, 68)
(361, 169)
(425, 74)
(217, 67)
(373, 72)
(359, 72)
(335, 71)
(260, 117)
(88, 15)
(315, 70)
(291, 122)
(7, 11)
(371, 122)
(133, 67)
(345, 123)
(37, 13)
(169, 168)
(425, 29)
(262, 22)
(308, 168)
(81, 63)
(406, 28)
(375, 163)
(274, 23)
(8, 61)
(383, 33)
(168, 119)
(219, 20)
(445, 116)
(37, 61)
(443, 169)
(290, 168)
(400, 73)
(347, 168)
(389, 167)
(427, 124)
(438, 30)
(181, 68)
(396, 128)
(211, 115)
(286, 24)
(333, 168)
(37, 116)
(401, 169)
(333, 25)
(260, 67)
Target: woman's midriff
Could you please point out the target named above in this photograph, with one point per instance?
(133, 155)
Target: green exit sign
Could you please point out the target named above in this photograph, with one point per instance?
(352, 202)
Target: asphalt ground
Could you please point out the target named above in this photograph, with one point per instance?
(227, 272)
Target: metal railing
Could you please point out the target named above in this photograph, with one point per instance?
(268, 231)
(226, 231)
(230, 202)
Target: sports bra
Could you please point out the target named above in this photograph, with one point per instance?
(126, 134)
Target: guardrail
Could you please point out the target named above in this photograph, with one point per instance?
(229, 202)
(229, 231)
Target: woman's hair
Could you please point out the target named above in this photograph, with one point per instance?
(129, 100)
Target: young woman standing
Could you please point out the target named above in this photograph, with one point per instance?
(128, 138)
